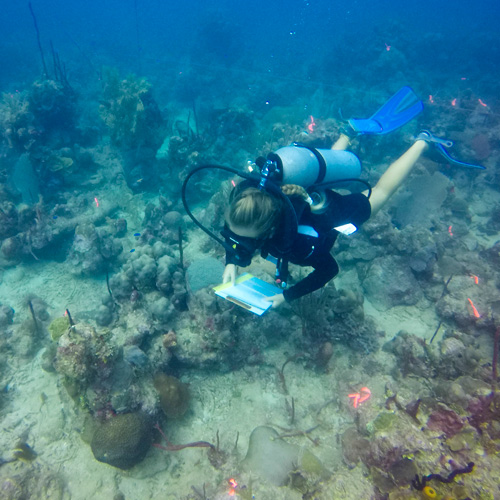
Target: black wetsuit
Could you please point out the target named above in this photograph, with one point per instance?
(310, 249)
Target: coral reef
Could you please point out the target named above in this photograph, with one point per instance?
(52, 104)
(93, 250)
(58, 327)
(129, 111)
(335, 316)
(83, 356)
(402, 290)
(122, 441)
(174, 395)
(91, 181)
(282, 463)
(17, 121)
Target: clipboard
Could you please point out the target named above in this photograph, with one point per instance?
(249, 293)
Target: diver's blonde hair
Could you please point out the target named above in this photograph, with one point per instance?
(255, 209)
(259, 210)
(295, 190)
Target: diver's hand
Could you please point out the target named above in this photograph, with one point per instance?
(229, 274)
(277, 300)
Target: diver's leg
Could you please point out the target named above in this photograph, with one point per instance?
(342, 143)
(395, 175)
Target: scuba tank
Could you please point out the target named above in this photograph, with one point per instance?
(306, 166)
(316, 170)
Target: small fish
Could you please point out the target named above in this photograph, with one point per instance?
(24, 452)
(137, 234)
(133, 250)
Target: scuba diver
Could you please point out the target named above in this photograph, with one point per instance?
(290, 213)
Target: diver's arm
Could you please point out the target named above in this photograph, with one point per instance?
(325, 268)
(395, 175)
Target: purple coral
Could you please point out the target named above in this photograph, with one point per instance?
(484, 409)
(446, 421)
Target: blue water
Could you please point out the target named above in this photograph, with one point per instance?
(277, 38)
(232, 80)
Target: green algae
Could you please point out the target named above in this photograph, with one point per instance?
(384, 422)
(59, 327)
(311, 464)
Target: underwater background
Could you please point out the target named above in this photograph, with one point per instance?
(122, 375)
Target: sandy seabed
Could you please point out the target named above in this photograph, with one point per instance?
(37, 409)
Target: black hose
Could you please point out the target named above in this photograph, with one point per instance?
(186, 207)
(274, 189)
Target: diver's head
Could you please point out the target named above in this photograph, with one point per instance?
(254, 214)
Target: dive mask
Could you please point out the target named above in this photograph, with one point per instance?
(242, 246)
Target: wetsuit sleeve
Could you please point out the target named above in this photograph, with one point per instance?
(325, 268)
(343, 209)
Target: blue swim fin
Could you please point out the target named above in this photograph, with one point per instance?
(441, 145)
(454, 161)
(402, 107)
